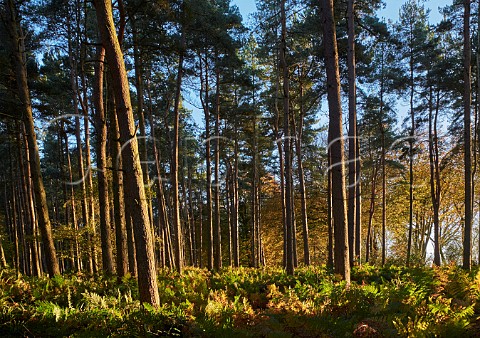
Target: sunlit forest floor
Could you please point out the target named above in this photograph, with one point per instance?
(380, 302)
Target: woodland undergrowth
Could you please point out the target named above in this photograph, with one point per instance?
(380, 302)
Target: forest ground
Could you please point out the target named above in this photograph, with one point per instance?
(380, 302)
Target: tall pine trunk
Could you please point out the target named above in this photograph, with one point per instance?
(177, 227)
(289, 220)
(101, 147)
(217, 231)
(467, 234)
(16, 40)
(341, 251)
(352, 132)
(301, 175)
(133, 178)
(435, 187)
(118, 197)
(205, 103)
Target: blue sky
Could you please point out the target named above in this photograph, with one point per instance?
(390, 12)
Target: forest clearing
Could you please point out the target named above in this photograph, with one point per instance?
(171, 168)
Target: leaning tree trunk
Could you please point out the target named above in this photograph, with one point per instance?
(16, 40)
(134, 188)
(341, 251)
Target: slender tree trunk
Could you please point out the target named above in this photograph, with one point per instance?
(37, 270)
(16, 242)
(434, 188)
(200, 230)
(177, 227)
(384, 167)
(138, 62)
(76, 257)
(477, 125)
(358, 209)
(80, 167)
(118, 197)
(254, 232)
(410, 155)
(205, 102)
(217, 233)
(352, 132)
(341, 252)
(90, 217)
(301, 178)
(276, 130)
(16, 40)
(467, 235)
(132, 257)
(163, 223)
(329, 207)
(101, 127)
(368, 248)
(25, 211)
(384, 198)
(229, 209)
(235, 239)
(133, 178)
(187, 233)
(193, 233)
(290, 264)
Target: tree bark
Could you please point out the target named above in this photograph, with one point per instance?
(205, 102)
(163, 223)
(101, 147)
(410, 154)
(75, 259)
(118, 197)
(467, 235)
(384, 197)
(352, 131)
(37, 269)
(177, 227)
(329, 207)
(301, 175)
(217, 233)
(435, 187)
(358, 209)
(289, 264)
(341, 252)
(18, 54)
(133, 178)
(368, 247)
(138, 62)
(254, 200)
